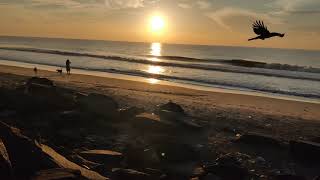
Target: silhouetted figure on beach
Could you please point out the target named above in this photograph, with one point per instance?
(260, 29)
(68, 68)
(35, 70)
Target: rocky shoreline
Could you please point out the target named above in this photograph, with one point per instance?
(52, 132)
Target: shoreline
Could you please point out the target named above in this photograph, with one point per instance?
(163, 82)
(208, 101)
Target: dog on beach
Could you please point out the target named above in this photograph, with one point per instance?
(59, 71)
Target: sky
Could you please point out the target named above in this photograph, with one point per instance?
(208, 22)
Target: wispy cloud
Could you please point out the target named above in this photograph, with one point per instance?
(184, 5)
(123, 4)
(220, 16)
(203, 4)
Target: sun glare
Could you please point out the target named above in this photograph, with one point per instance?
(157, 23)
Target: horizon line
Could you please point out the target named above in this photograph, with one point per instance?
(188, 44)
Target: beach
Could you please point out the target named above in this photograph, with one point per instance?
(222, 115)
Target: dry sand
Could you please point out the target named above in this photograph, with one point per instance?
(252, 113)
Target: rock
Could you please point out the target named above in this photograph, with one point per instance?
(141, 157)
(175, 152)
(170, 106)
(131, 112)
(5, 163)
(22, 151)
(106, 157)
(228, 171)
(151, 123)
(126, 174)
(178, 118)
(306, 151)
(211, 177)
(100, 104)
(259, 140)
(228, 163)
(40, 81)
(58, 174)
(289, 177)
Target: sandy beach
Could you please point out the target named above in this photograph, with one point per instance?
(223, 115)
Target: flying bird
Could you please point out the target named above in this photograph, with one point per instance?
(262, 31)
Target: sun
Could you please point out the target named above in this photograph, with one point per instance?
(157, 23)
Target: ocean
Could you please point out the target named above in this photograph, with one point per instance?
(275, 72)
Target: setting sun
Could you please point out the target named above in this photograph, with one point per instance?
(157, 23)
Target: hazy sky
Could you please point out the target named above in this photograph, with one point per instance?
(217, 22)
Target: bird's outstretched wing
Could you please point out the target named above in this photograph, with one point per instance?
(259, 28)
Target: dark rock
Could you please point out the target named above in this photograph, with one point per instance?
(228, 166)
(306, 151)
(151, 123)
(228, 171)
(136, 156)
(5, 163)
(40, 81)
(58, 174)
(106, 157)
(289, 177)
(178, 118)
(131, 112)
(22, 151)
(100, 104)
(126, 174)
(175, 152)
(170, 106)
(259, 140)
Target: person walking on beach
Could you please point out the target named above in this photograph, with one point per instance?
(35, 70)
(68, 68)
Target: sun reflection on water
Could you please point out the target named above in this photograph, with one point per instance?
(155, 69)
(155, 50)
(153, 81)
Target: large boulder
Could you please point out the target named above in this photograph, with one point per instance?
(99, 104)
(306, 151)
(40, 81)
(171, 106)
(5, 163)
(179, 118)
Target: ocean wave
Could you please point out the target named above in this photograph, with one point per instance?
(308, 73)
(187, 80)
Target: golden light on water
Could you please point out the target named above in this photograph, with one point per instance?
(155, 69)
(153, 81)
(155, 49)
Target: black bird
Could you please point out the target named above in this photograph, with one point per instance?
(260, 29)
